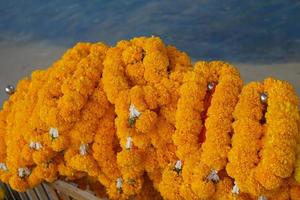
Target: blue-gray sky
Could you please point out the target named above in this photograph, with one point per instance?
(238, 31)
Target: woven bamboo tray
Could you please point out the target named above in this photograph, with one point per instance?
(59, 190)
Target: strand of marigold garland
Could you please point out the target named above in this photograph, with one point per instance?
(265, 135)
(38, 152)
(35, 151)
(4, 172)
(297, 163)
(79, 84)
(52, 95)
(105, 149)
(163, 151)
(227, 85)
(20, 170)
(25, 173)
(129, 67)
(70, 82)
(161, 139)
(82, 134)
(192, 93)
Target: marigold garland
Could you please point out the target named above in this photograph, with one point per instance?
(192, 92)
(136, 80)
(161, 137)
(297, 163)
(265, 135)
(124, 66)
(150, 127)
(208, 152)
(218, 122)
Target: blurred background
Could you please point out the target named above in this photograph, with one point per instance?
(262, 38)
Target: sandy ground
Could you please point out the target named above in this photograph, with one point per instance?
(18, 60)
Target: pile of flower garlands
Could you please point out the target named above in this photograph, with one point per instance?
(139, 121)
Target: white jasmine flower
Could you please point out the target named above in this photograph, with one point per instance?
(22, 172)
(213, 176)
(83, 149)
(119, 183)
(129, 143)
(32, 145)
(35, 145)
(53, 133)
(262, 197)
(178, 165)
(38, 146)
(235, 189)
(133, 112)
(3, 167)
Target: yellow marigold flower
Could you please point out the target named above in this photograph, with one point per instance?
(27, 154)
(42, 156)
(85, 163)
(146, 121)
(169, 186)
(18, 184)
(47, 171)
(35, 178)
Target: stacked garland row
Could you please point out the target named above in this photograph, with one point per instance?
(138, 120)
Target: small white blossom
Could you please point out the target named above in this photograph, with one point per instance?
(38, 146)
(35, 145)
(119, 183)
(32, 145)
(213, 176)
(178, 165)
(129, 143)
(53, 132)
(3, 167)
(262, 197)
(22, 172)
(83, 149)
(263, 97)
(133, 112)
(210, 86)
(235, 189)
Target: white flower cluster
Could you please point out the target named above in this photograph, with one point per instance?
(262, 198)
(23, 172)
(178, 165)
(119, 183)
(235, 189)
(3, 167)
(133, 112)
(83, 149)
(53, 132)
(129, 143)
(213, 176)
(35, 145)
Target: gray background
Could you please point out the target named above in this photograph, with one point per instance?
(262, 38)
